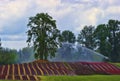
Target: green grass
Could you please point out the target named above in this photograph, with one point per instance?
(117, 64)
(78, 78)
(82, 78)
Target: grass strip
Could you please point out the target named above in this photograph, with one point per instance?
(82, 78)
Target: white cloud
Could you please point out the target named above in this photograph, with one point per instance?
(95, 15)
(14, 44)
(74, 14)
(55, 8)
(88, 17)
(12, 11)
(47, 3)
(13, 37)
(113, 10)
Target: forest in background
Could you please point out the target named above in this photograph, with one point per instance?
(104, 38)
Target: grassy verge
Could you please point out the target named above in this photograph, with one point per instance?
(78, 78)
(82, 78)
(117, 64)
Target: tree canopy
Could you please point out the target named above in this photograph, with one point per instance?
(67, 36)
(114, 39)
(8, 56)
(86, 38)
(101, 34)
(44, 34)
(0, 44)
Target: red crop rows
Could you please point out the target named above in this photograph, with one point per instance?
(29, 71)
(102, 67)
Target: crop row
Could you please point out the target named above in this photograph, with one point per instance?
(28, 70)
(19, 77)
(35, 69)
(102, 67)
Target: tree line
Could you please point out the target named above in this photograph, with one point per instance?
(45, 38)
(104, 38)
(12, 56)
(7, 56)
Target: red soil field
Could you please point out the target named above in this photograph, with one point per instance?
(30, 71)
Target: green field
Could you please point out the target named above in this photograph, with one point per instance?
(78, 78)
(82, 78)
(117, 64)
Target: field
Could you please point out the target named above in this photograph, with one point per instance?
(82, 78)
(77, 78)
(60, 71)
(117, 64)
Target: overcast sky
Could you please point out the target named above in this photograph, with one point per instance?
(70, 15)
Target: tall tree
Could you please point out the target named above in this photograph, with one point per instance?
(67, 36)
(85, 37)
(108, 39)
(44, 34)
(101, 36)
(114, 30)
(0, 44)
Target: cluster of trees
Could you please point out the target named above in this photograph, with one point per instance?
(45, 38)
(7, 56)
(105, 38)
(12, 56)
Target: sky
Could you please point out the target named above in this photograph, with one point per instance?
(70, 15)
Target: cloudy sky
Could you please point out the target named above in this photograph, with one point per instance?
(70, 15)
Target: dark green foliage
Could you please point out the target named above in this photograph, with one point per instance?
(114, 39)
(67, 36)
(107, 38)
(85, 37)
(8, 56)
(0, 44)
(44, 34)
(101, 36)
